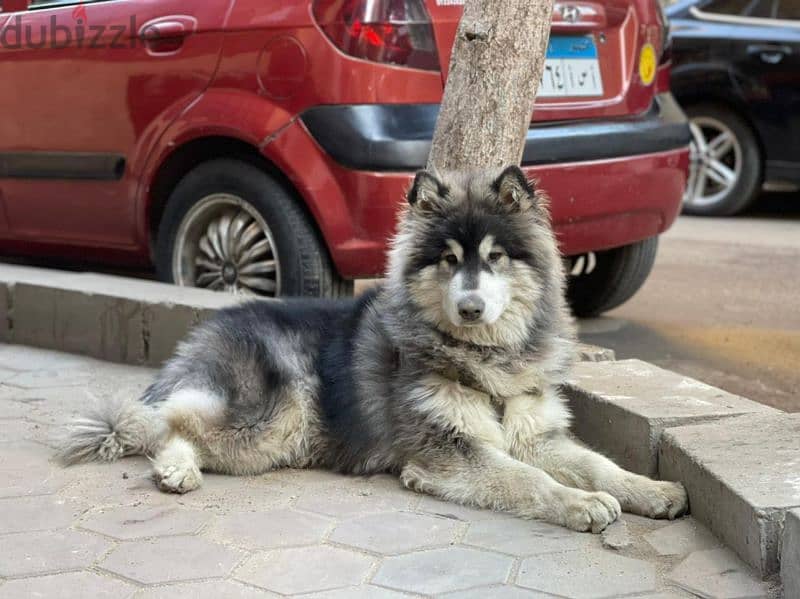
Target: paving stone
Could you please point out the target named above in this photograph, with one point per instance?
(23, 357)
(443, 570)
(526, 537)
(126, 482)
(305, 569)
(642, 400)
(272, 529)
(171, 559)
(12, 409)
(209, 589)
(790, 555)
(252, 494)
(742, 477)
(71, 585)
(42, 379)
(25, 470)
(576, 575)
(347, 502)
(27, 514)
(44, 552)
(309, 477)
(366, 591)
(717, 574)
(681, 538)
(669, 594)
(145, 521)
(454, 511)
(616, 535)
(497, 592)
(52, 406)
(15, 431)
(396, 532)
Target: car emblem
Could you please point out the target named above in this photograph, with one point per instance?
(570, 13)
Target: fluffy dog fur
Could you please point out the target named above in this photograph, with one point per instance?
(447, 375)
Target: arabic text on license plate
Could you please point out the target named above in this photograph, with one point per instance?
(571, 68)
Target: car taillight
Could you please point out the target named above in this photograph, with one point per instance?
(388, 31)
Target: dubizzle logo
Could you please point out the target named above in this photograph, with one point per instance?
(79, 14)
(31, 31)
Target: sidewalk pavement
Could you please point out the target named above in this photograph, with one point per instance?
(105, 531)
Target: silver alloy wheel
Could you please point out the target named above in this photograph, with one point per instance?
(224, 244)
(716, 162)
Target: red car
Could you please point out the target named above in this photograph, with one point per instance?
(264, 146)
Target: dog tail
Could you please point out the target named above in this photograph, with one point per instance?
(112, 429)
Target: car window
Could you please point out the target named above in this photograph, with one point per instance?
(759, 9)
(789, 9)
(727, 7)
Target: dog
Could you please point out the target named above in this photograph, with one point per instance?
(447, 375)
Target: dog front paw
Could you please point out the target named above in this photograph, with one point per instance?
(660, 499)
(585, 511)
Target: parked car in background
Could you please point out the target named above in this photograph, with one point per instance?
(264, 147)
(736, 72)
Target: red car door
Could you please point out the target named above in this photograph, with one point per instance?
(87, 89)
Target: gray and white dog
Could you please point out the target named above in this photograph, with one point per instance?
(447, 375)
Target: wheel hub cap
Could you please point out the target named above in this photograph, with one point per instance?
(716, 162)
(229, 273)
(223, 243)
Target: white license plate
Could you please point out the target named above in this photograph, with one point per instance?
(571, 68)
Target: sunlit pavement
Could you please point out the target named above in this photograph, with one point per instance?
(104, 530)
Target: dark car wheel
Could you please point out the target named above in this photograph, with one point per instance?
(725, 174)
(617, 274)
(229, 226)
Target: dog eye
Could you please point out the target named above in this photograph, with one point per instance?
(451, 259)
(495, 256)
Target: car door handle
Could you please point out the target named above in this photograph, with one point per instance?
(769, 53)
(166, 35)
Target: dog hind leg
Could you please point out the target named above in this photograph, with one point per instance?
(189, 413)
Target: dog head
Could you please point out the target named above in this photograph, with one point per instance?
(476, 253)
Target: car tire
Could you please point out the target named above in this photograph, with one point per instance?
(617, 275)
(743, 159)
(230, 221)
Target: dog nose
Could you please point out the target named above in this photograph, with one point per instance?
(470, 308)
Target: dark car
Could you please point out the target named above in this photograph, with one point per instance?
(736, 71)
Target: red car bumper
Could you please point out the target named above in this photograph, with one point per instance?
(595, 204)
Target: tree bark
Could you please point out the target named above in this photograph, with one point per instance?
(495, 69)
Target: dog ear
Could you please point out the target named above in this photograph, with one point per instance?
(514, 191)
(426, 193)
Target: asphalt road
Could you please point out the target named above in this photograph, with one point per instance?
(722, 304)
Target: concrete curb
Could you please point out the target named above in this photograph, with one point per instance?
(650, 420)
(790, 555)
(742, 476)
(106, 317)
(643, 401)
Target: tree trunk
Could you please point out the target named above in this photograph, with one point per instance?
(495, 69)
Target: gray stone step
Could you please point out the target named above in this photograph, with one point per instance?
(742, 475)
(790, 555)
(621, 408)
